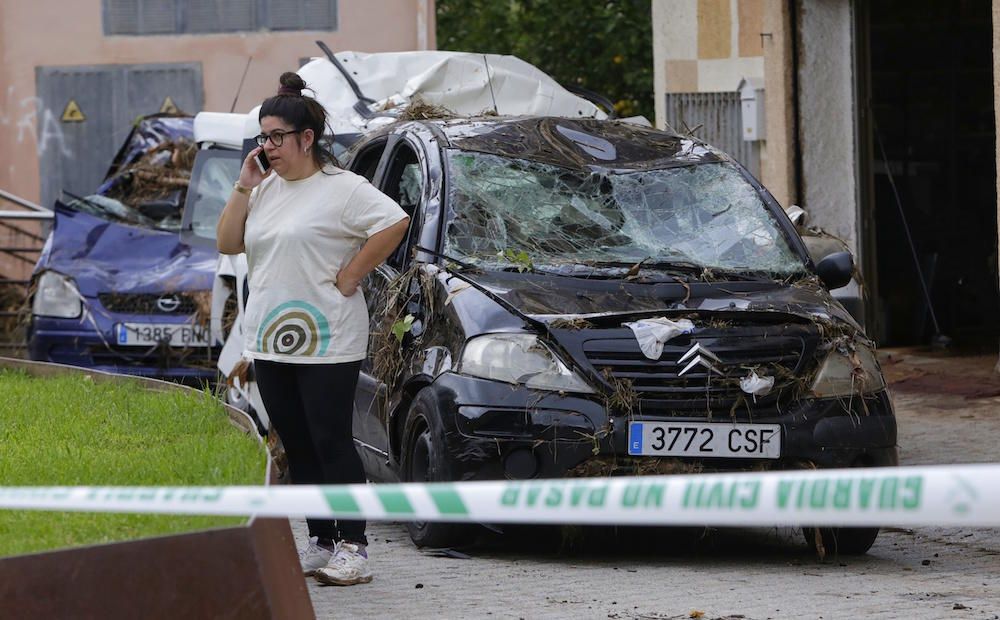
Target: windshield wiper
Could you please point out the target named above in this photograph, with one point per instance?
(689, 268)
(86, 201)
(451, 259)
(519, 267)
(758, 275)
(114, 211)
(679, 266)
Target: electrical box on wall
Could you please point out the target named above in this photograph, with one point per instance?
(752, 108)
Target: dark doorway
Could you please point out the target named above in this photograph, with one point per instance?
(925, 69)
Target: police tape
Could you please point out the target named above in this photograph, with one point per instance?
(947, 495)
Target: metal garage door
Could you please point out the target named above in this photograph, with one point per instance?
(87, 111)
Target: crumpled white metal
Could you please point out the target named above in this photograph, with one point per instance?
(454, 80)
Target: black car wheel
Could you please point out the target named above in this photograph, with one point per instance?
(841, 540)
(424, 460)
(837, 541)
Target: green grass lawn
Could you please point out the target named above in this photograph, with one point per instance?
(73, 431)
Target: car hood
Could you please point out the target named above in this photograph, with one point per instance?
(103, 256)
(544, 299)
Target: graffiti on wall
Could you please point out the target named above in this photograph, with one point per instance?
(27, 113)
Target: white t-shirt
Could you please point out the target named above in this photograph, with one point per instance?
(298, 236)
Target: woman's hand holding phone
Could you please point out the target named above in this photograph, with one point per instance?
(251, 174)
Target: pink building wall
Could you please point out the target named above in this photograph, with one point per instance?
(58, 33)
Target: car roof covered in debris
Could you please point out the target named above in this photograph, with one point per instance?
(575, 142)
(148, 132)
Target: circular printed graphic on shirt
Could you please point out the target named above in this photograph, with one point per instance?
(294, 328)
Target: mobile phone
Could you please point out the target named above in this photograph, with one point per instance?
(262, 162)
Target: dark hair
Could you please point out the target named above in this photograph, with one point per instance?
(301, 112)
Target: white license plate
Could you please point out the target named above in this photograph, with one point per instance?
(705, 440)
(177, 334)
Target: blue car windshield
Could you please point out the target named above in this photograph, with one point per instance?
(708, 216)
(114, 210)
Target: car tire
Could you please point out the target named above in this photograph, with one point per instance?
(424, 459)
(841, 540)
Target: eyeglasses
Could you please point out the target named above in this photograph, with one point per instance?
(276, 137)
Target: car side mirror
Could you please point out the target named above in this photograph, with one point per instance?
(836, 270)
(797, 214)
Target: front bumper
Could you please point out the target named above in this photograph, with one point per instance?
(90, 343)
(496, 431)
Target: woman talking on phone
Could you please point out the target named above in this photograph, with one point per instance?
(311, 232)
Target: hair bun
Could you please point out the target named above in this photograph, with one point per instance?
(291, 84)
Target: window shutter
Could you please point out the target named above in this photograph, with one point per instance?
(139, 17)
(205, 16)
(319, 15)
(121, 16)
(303, 14)
(284, 14)
(157, 16)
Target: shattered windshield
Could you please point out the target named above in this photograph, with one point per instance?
(708, 216)
(114, 210)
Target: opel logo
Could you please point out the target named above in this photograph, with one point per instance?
(700, 356)
(168, 303)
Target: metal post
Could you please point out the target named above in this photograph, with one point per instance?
(27, 204)
(26, 215)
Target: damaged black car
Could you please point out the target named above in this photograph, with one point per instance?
(591, 298)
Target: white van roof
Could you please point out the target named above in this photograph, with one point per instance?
(223, 129)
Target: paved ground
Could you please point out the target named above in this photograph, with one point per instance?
(949, 412)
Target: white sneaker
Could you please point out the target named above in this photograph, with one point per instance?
(313, 557)
(347, 567)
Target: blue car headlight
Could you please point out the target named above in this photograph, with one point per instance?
(56, 296)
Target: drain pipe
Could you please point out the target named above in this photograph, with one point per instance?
(793, 16)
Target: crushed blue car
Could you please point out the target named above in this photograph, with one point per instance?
(115, 287)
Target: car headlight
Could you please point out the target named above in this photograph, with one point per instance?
(56, 296)
(847, 372)
(519, 358)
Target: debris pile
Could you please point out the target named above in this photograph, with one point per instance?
(148, 177)
(421, 110)
(12, 308)
(622, 396)
(203, 308)
(397, 321)
(603, 466)
(571, 323)
(154, 185)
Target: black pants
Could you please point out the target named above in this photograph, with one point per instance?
(312, 406)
